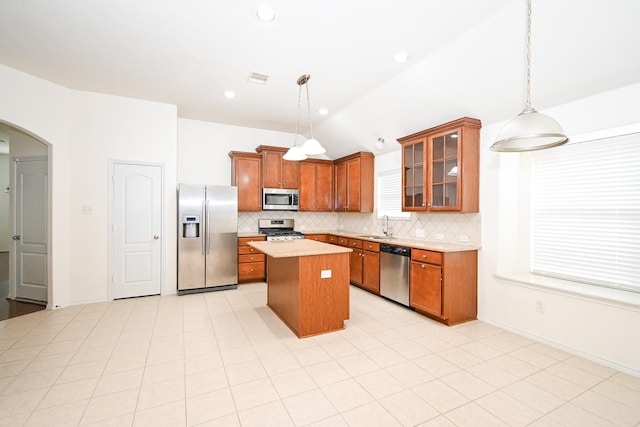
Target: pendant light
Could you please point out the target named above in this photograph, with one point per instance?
(294, 153)
(530, 130)
(311, 146)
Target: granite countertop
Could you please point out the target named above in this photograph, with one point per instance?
(399, 241)
(297, 248)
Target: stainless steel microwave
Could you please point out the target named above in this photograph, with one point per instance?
(279, 199)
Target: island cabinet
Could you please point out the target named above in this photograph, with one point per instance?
(277, 172)
(246, 174)
(441, 168)
(316, 185)
(443, 285)
(364, 265)
(308, 285)
(354, 182)
(251, 262)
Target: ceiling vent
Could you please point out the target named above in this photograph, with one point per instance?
(258, 78)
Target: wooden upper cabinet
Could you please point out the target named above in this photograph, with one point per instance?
(354, 176)
(277, 172)
(440, 167)
(316, 185)
(246, 174)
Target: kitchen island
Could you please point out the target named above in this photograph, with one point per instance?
(307, 284)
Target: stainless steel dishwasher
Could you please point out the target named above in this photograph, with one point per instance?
(394, 273)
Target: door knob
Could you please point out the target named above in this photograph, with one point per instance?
(16, 237)
(156, 237)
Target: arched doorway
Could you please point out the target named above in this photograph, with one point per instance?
(17, 148)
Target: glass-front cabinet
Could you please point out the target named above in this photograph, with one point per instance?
(413, 156)
(444, 171)
(440, 168)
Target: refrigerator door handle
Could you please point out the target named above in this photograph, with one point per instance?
(203, 231)
(207, 226)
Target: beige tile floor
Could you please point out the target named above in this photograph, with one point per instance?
(224, 359)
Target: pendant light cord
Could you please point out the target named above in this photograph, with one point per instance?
(295, 134)
(309, 109)
(528, 103)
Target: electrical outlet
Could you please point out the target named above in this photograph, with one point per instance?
(540, 306)
(325, 274)
(439, 236)
(365, 228)
(87, 210)
(464, 239)
(420, 233)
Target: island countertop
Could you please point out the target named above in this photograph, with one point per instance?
(297, 248)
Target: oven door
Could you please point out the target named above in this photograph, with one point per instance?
(279, 199)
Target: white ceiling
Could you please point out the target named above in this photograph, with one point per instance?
(466, 57)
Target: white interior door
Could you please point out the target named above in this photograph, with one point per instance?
(30, 229)
(136, 218)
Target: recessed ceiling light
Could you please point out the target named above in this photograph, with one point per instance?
(400, 57)
(323, 111)
(266, 14)
(229, 94)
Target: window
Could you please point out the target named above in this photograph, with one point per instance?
(390, 195)
(585, 212)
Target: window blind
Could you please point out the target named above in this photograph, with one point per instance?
(390, 195)
(586, 212)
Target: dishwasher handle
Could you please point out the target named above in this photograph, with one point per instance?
(396, 250)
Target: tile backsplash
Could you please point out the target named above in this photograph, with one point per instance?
(436, 227)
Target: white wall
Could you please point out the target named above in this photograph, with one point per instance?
(108, 128)
(598, 329)
(85, 131)
(203, 149)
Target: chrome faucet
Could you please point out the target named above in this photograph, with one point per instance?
(385, 226)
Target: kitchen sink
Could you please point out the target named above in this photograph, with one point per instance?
(376, 237)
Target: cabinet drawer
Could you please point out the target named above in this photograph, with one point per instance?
(332, 239)
(252, 270)
(242, 241)
(247, 250)
(251, 258)
(355, 243)
(426, 256)
(371, 246)
(316, 237)
(343, 241)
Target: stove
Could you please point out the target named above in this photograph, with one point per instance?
(278, 229)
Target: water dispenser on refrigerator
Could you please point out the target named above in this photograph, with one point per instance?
(191, 226)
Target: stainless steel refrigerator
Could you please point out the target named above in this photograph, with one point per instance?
(207, 238)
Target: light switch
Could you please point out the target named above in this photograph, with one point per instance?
(87, 210)
(325, 274)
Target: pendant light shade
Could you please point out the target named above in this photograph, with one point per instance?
(294, 154)
(312, 147)
(530, 130)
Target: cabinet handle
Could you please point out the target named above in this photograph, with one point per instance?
(251, 270)
(422, 265)
(424, 256)
(251, 250)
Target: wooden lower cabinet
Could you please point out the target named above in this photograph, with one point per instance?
(251, 262)
(364, 265)
(443, 285)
